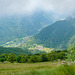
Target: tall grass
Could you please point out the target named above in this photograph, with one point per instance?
(44, 68)
(60, 70)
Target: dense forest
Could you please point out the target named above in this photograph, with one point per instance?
(15, 50)
(53, 56)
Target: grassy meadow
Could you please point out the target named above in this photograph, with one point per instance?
(43, 68)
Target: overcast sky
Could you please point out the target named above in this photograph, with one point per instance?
(66, 7)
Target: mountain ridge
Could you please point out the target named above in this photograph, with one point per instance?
(56, 35)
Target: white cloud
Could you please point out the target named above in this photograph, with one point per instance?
(61, 7)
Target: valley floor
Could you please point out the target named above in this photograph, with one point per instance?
(43, 68)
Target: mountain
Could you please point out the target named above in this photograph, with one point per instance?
(59, 35)
(17, 26)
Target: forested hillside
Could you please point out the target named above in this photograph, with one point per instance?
(15, 50)
(59, 35)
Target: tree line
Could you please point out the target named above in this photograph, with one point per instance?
(53, 56)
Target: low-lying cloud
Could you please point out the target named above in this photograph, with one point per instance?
(61, 7)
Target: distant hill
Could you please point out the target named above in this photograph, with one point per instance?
(59, 35)
(15, 50)
(16, 26)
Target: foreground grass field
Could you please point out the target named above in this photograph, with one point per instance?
(44, 68)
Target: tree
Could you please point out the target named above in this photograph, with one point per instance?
(44, 58)
(71, 53)
(33, 59)
(3, 57)
(11, 57)
(51, 56)
(18, 59)
(23, 59)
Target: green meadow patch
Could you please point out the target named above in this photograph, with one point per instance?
(43, 68)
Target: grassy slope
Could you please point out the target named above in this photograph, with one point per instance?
(16, 42)
(44, 68)
(32, 46)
